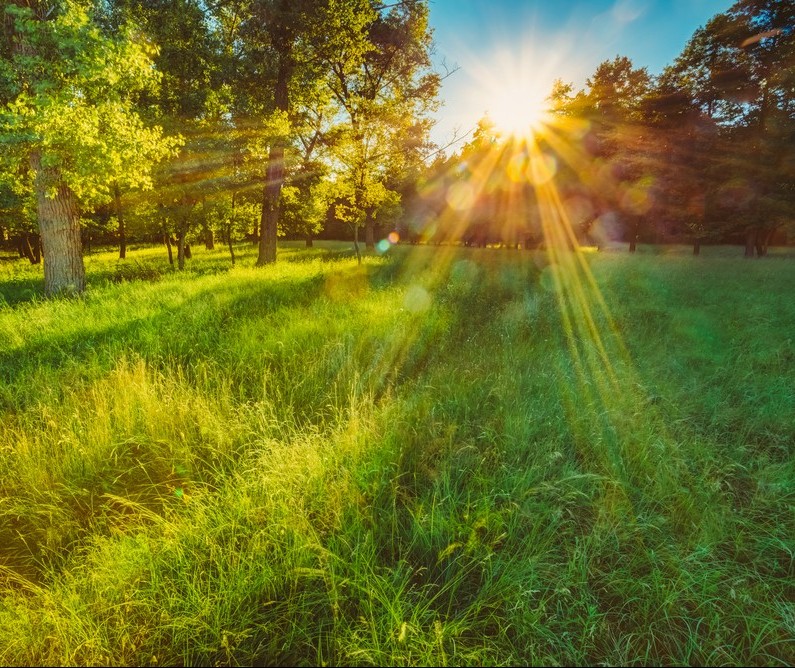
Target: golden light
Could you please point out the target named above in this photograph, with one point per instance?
(517, 108)
(512, 86)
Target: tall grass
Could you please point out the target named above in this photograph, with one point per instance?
(444, 456)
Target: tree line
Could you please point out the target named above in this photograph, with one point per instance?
(208, 120)
(704, 152)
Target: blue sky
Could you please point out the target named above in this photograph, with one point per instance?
(523, 45)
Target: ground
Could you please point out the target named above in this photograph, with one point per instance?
(444, 456)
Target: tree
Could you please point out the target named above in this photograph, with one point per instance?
(603, 127)
(70, 116)
(274, 35)
(377, 64)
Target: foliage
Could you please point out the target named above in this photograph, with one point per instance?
(378, 72)
(73, 102)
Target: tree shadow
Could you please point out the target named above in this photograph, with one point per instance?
(16, 291)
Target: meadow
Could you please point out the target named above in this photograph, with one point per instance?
(443, 456)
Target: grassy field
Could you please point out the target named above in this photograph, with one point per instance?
(444, 456)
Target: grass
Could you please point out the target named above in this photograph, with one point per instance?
(444, 456)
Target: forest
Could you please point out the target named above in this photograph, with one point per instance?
(288, 379)
(203, 122)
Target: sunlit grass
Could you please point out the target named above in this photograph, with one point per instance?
(444, 456)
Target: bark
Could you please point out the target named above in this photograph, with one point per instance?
(28, 249)
(59, 226)
(181, 251)
(209, 240)
(356, 243)
(188, 252)
(229, 241)
(763, 240)
(309, 240)
(635, 232)
(271, 205)
(271, 196)
(750, 242)
(229, 229)
(167, 241)
(120, 217)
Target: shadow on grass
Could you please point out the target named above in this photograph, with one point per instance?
(20, 290)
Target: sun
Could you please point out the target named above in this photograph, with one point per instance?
(512, 89)
(517, 108)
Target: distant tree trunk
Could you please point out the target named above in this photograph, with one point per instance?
(181, 251)
(209, 239)
(229, 241)
(763, 240)
(120, 217)
(697, 247)
(356, 243)
(750, 242)
(188, 253)
(274, 179)
(369, 233)
(28, 249)
(634, 233)
(167, 241)
(308, 240)
(59, 226)
(229, 225)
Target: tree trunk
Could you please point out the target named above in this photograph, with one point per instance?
(209, 239)
(167, 241)
(697, 247)
(188, 252)
(750, 242)
(28, 250)
(181, 251)
(229, 241)
(271, 205)
(369, 233)
(763, 240)
(120, 217)
(309, 240)
(59, 226)
(356, 243)
(229, 225)
(635, 232)
(271, 196)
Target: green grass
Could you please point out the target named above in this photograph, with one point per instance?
(444, 456)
